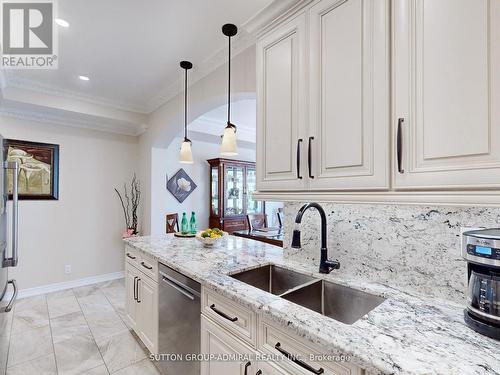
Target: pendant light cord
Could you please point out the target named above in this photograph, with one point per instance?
(185, 102)
(229, 85)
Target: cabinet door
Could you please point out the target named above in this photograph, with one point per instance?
(349, 94)
(234, 190)
(215, 341)
(148, 313)
(252, 206)
(131, 275)
(281, 105)
(446, 93)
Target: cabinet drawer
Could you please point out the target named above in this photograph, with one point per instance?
(239, 320)
(131, 256)
(148, 266)
(276, 341)
(231, 225)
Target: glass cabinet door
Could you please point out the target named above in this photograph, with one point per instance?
(253, 207)
(214, 172)
(233, 200)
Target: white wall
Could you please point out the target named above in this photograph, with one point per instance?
(165, 161)
(83, 228)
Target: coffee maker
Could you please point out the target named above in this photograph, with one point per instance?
(481, 250)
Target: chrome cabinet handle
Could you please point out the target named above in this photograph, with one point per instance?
(224, 315)
(146, 266)
(298, 158)
(12, 262)
(399, 145)
(130, 256)
(14, 297)
(138, 300)
(247, 365)
(309, 157)
(135, 292)
(298, 361)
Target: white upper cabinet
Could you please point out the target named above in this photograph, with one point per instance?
(446, 94)
(349, 94)
(398, 95)
(281, 107)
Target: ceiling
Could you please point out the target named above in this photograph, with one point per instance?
(131, 49)
(243, 115)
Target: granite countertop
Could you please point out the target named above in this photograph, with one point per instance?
(406, 334)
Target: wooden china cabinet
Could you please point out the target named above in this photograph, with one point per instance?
(232, 183)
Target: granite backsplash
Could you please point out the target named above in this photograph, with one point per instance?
(412, 248)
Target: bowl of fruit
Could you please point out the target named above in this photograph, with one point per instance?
(211, 237)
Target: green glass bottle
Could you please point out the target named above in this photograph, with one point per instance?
(192, 223)
(184, 224)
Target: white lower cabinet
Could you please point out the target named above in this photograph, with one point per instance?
(148, 313)
(229, 356)
(131, 305)
(278, 352)
(141, 302)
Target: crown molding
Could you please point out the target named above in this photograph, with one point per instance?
(94, 123)
(275, 11)
(30, 85)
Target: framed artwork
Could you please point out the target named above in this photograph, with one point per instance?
(38, 177)
(181, 185)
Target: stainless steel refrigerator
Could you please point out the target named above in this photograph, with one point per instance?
(8, 246)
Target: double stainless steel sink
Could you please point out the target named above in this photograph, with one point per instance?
(347, 305)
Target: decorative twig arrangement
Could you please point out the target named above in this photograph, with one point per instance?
(130, 204)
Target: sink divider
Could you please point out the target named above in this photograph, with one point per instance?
(291, 290)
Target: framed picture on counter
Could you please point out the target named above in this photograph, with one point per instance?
(38, 177)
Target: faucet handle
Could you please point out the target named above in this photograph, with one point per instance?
(328, 266)
(333, 264)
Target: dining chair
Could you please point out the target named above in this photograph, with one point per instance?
(256, 221)
(172, 223)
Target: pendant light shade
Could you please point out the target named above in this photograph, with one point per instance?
(186, 155)
(229, 145)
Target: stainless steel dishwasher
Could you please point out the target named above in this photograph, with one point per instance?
(179, 326)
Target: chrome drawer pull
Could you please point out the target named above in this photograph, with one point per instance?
(212, 306)
(298, 361)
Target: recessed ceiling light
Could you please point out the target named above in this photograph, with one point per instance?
(62, 22)
(84, 78)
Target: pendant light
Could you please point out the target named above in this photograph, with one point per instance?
(228, 146)
(186, 156)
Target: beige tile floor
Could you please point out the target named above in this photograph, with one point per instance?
(73, 332)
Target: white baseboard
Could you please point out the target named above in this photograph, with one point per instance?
(30, 292)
